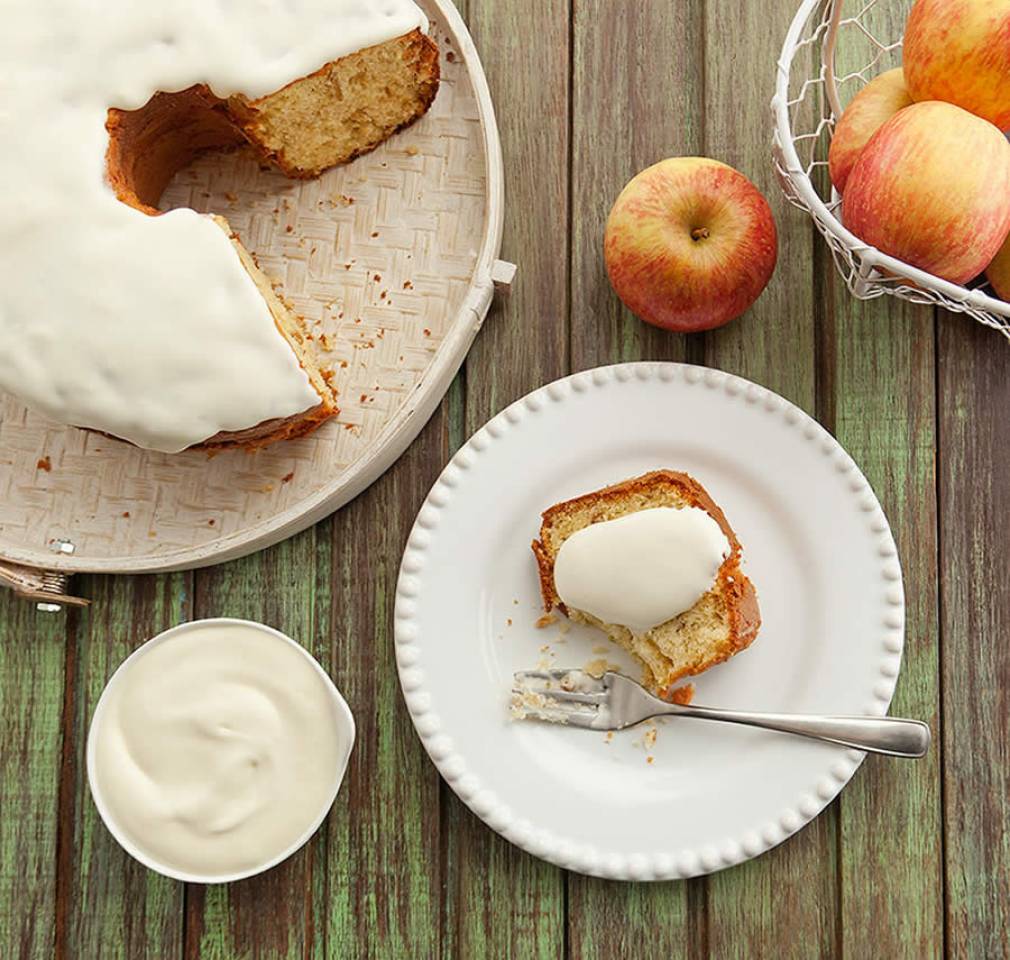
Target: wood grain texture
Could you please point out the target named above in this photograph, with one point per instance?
(627, 113)
(787, 899)
(32, 656)
(883, 407)
(633, 104)
(114, 907)
(381, 868)
(878, 396)
(973, 395)
(501, 902)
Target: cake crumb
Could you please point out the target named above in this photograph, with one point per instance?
(450, 56)
(546, 661)
(375, 233)
(211, 522)
(426, 332)
(231, 197)
(508, 622)
(650, 738)
(377, 278)
(650, 759)
(682, 695)
(266, 488)
(545, 621)
(44, 463)
(596, 668)
(609, 737)
(126, 514)
(407, 285)
(288, 477)
(411, 151)
(531, 703)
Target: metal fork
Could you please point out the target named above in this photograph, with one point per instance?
(613, 702)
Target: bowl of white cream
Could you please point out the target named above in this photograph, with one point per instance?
(217, 749)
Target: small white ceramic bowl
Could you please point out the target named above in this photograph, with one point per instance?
(345, 719)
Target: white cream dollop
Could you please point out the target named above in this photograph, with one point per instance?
(215, 750)
(642, 569)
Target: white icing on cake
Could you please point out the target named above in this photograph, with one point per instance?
(642, 569)
(144, 327)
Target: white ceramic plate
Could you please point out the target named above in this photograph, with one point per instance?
(816, 545)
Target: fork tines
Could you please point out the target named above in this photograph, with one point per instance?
(559, 696)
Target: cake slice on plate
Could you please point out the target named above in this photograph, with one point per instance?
(654, 563)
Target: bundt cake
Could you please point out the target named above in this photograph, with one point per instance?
(158, 328)
(715, 620)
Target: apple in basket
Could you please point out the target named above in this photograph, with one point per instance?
(932, 188)
(870, 109)
(998, 272)
(956, 50)
(690, 244)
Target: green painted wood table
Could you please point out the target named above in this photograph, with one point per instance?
(912, 860)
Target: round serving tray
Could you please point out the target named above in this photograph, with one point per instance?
(392, 262)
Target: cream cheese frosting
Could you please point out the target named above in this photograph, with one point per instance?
(147, 328)
(642, 569)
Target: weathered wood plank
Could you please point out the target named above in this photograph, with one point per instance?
(636, 98)
(381, 872)
(878, 395)
(113, 906)
(500, 902)
(268, 915)
(32, 656)
(784, 903)
(881, 354)
(973, 397)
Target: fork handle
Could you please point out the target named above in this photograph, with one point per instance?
(888, 735)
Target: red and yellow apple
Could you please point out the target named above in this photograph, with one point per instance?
(690, 244)
(932, 188)
(959, 51)
(998, 272)
(869, 110)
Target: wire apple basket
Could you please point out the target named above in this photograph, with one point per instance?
(831, 51)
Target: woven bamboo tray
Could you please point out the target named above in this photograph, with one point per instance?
(392, 262)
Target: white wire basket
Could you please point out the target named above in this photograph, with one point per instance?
(833, 48)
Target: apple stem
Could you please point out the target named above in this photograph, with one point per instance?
(700, 233)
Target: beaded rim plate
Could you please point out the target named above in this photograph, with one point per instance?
(392, 262)
(679, 798)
